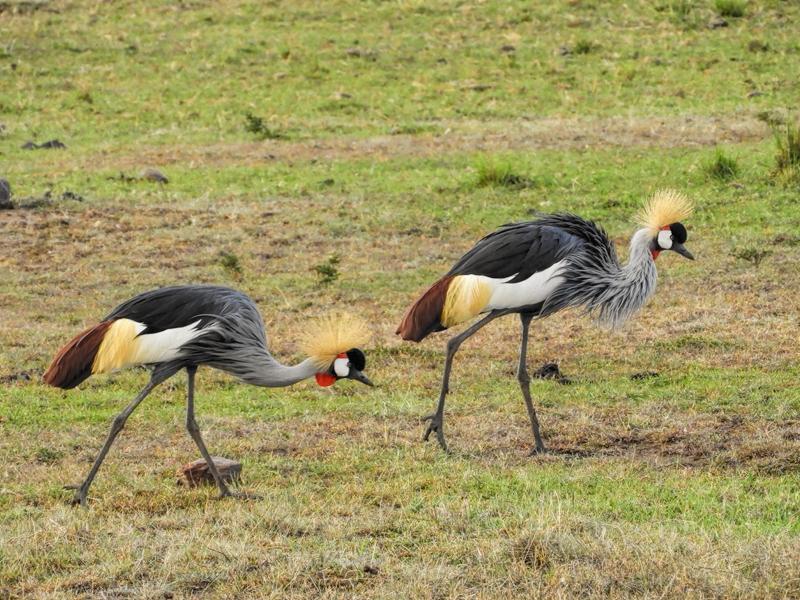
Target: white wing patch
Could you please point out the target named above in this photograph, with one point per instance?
(164, 345)
(533, 290)
(122, 345)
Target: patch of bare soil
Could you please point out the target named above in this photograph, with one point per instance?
(707, 442)
(544, 134)
(704, 442)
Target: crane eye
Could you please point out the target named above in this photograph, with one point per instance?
(672, 237)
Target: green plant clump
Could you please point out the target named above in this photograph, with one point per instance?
(255, 124)
(327, 271)
(230, 262)
(730, 8)
(752, 254)
(493, 173)
(787, 154)
(722, 167)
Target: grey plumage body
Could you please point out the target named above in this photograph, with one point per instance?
(535, 269)
(185, 327)
(595, 281)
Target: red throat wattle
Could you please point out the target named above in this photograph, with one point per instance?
(655, 253)
(325, 379)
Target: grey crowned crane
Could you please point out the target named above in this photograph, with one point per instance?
(184, 327)
(539, 267)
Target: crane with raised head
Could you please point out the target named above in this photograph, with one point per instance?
(184, 327)
(536, 268)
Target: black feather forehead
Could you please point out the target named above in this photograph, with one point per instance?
(679, 232)
(357, 359)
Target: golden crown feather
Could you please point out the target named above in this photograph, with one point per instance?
(663, 208)
(328, 337)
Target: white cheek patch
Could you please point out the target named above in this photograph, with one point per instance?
(665, 239)
(341, 366)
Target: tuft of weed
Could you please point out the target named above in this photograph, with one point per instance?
(730, 8)
(230, 262)
(787, 150)
(722, 167)
(584, 47)
(495, 173)
(752, 254)
(326, 271)
(532, 552)
(255, 124)
(678, 9)
(48, 455)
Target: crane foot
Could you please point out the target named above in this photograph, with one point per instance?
(537, 450)
(79, 498)
(435, 426)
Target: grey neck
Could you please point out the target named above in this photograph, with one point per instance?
(637, 281)
(606, 290)
(270, 373)
(640, 263)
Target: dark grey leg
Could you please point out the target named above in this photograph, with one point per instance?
(525, 383)
(437, 419)
(194, 431)
(116, 426)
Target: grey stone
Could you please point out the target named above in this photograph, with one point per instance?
(5, 195)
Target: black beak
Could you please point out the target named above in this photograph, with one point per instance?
(681, 249)
(359, 376)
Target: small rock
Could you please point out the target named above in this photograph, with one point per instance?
(644, 375)
(19, 376)
(68, 195)
(5, 195)
(774, 116)
(507, 48)
(716, 22)
(51, 144)
(547, 371)
(151, 174)
(197, 473)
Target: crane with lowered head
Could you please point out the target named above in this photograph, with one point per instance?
(536, 268)
(184, 327)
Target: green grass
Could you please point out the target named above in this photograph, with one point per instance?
(730, 8)
(383, 140)
(787, 151)
(723, 166)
